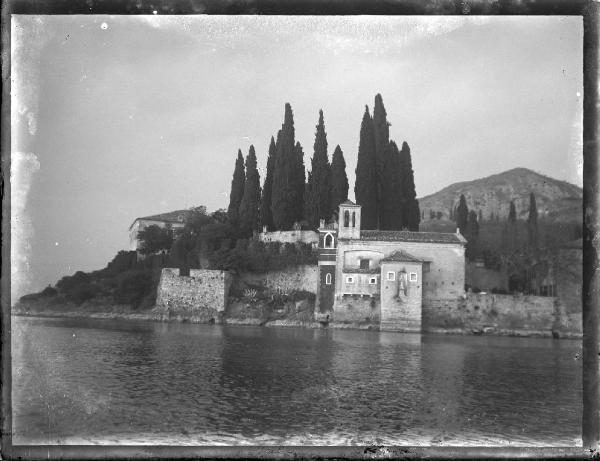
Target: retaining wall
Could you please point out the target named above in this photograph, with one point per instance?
(299, 278)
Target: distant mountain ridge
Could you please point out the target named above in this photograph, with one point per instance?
(556, 200)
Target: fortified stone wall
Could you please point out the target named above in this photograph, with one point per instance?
(356, 309)
(511, 313)
(201, 291)
(298, 278)
(293, 236)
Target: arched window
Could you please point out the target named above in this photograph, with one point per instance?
(329, 241)
(328, 279)
(346, 218)
(353, 219)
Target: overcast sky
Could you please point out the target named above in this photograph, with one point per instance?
(116, 117)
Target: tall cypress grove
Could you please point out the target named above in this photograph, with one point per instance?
(237, 189)
(381, 130)
(250, 204)
(321, 176)
(266, 215)
(365, 187)
(532, 223)
(288, 179)
(339, 179)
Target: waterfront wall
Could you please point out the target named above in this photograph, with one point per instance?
(356, 309)
(201, 294)
(298, 278)
(502, 313)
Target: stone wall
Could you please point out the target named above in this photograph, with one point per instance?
(298, 278)
(500, 313)
(401, 299)
(293, 236)
(356, 309)
(202, 292)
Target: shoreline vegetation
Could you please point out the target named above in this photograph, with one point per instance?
(234, 315)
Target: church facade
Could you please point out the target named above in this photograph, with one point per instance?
(385, 277)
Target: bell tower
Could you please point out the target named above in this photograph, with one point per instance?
(349, 221)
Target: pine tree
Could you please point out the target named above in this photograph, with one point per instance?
(321, 172)
(266, 215)
(410, 205)
(365, 187)
(532, 222)
(250, 204)
(339, 180)
(284, 199)
(462, 214)
(381, 130)
(237, 190)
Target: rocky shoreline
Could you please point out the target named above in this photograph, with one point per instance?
(158, 315)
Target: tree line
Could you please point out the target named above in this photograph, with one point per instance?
(384, 181)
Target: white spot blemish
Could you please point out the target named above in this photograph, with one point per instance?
(155, 12)
(31, 123)
(103, 26)
(56, 244)
(578, 94)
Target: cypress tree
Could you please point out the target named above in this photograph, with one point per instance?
(532, 222)
(365, 187)
(321, 172)
(310, 207)
(471, 233)
(391, 188)
(237, 190)
(284, 200)
(411, 217)
(462, 214)
(250, 204)
(381, 130)
(299, 182)
(339, 180)
(266, 215)
(512, 227)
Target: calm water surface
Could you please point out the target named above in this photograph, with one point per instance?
(98, 381)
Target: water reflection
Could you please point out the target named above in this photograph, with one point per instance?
(86, 381)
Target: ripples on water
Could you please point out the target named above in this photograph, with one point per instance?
(99, 381)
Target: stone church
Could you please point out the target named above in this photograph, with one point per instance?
(385, 277)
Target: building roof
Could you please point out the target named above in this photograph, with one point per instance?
(356, 270)
(408, 236)
(177, 216)
(401, 256)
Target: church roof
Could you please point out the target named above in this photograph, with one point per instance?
(408, 236)
(349, 203)
(401, 256)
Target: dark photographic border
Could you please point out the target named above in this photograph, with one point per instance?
(588, 10)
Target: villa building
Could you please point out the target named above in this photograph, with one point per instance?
(385, 277)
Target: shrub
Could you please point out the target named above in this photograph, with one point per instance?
(133, 286)
(82, 293)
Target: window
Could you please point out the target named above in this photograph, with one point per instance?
(346, 218)
(349, 279)
(413, 277)
(328, 279)
(353, 219)
(364, 263)
(426, 266)
(329, 241)
(391, 276)
(372, 280)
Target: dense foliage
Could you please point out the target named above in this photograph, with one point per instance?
(154, 239)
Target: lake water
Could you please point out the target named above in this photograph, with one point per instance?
(113, 382)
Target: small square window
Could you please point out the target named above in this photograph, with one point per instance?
(372, 280)
(391, 276)
(349, 279)
(413, 277)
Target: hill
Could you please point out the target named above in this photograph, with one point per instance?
(557, 201)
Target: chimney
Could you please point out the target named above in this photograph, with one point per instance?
(322, 223)
(264, 229)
